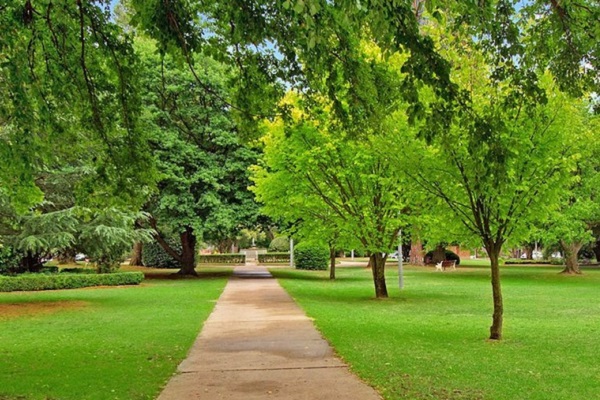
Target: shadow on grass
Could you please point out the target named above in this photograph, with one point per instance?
(317, 276)
(173, 275)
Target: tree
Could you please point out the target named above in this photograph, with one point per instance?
(312, 164)
(502, 159)
(67, 78)
(202, 189)
(571, 225)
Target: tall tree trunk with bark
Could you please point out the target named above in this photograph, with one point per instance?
(439, 254)
(377, 261)
(570, 251)
(136, 255)
(417, 255)
(596, 231)
(331, 262)
(493, 250)
(66, 256)
(188, 252)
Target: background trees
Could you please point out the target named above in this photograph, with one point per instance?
(203, 163)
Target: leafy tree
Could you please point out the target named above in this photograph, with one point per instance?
(572, 224)
(346, 182)
(502, 159)
(203, 163)
(68, 84)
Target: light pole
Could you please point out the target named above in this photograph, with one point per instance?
(291, 252)
(400, 257)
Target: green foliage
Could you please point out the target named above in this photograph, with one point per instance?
(279, 244)
(222, 259)
(311, 256)
(526, 262)
(274, 258)
(31, 282)
(9, 260)
(203, 185)
(154, 255)
(109, 235)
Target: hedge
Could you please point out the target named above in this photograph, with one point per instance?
(67, 281)
(274, 258)
(222, 259)
(311, 256)
(279, 244)
(153, 255)
(526, 262)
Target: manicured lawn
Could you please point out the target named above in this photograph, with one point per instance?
(429, 342)
(101, 343)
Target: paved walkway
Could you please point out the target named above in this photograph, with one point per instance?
(258, 344)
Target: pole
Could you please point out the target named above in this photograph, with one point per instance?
(400, 257)
(291, 252)
(352, 254)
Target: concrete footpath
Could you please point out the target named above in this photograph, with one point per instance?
(258, 344)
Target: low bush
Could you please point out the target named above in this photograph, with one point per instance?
(153, 255)
(29, 282)
(49, 270)
(274, 258)
(279, 245)
(311, 256)
(75, 271)
(526, 262)
(222, 259)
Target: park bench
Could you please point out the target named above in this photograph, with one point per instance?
(449, 264)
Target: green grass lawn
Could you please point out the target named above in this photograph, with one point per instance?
(429, 342)
(101, 343)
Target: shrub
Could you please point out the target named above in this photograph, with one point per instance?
(279, 245)
(222, 259)
(9, 260)
(274, 258)
(153, 255)
(28, 282)
(311, 256)
(450, 256)
(515, 261)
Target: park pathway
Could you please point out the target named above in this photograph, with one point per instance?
(258, 344)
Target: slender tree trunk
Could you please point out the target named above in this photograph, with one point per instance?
(570, 251)
(496, 328)
(188, 253)
(331, 262)
(136, 254)
(417, 255)
(377, 261)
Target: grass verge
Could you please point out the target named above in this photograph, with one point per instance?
(107, 343)
(429, 341)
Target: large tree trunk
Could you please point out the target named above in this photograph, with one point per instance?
(66, 256)
(528, 252)
(496, 328)
(439, 254)
(331, 262)
(136, 255)
(570, 251)
(188, 254)
(31, 262)
(417, 255)
(596, 231)
(377, 261)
